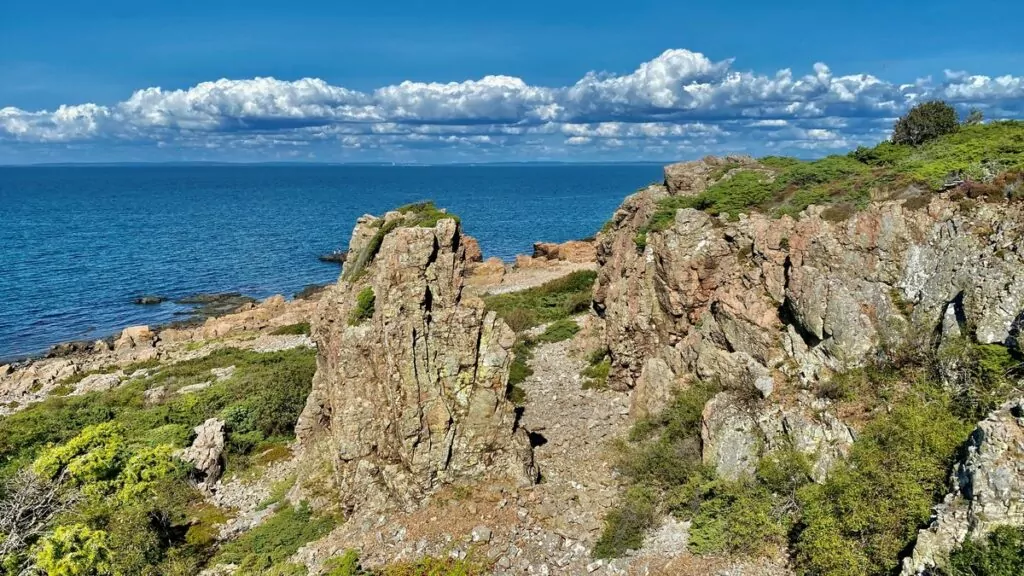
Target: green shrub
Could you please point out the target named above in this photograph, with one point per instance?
(74, 550)
(274, 541)
(595, 375)
(982, 376)
(345, 565)
(298, 329)
(885, 154)
(662, 464)
(559, 330)
(924, 122)
(555, 300)
(626, 525)
(1001, 553)
(364, 308)
(869, 509)
(738, 517)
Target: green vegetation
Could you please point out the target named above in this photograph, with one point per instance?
(924, 122)
(596, 373)
(128, 506)
(859, 520)
(298, 329)
(348, 565)
(270, 544)
(872, 505)
(554, 300)
(364, 307)
(558, 331)
(74, 550)
(987, 158)
(662, 462)
(421, 214)
(1001, 553)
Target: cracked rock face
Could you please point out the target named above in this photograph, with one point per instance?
(761, 304)
(413, 396)
(206, 453)
(988, 490)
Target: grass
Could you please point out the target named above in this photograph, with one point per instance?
(781, 186)
(555, 300)
(297, 329)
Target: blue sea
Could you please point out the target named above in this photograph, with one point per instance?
(79, 243)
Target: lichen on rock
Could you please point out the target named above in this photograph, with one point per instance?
(413, 397)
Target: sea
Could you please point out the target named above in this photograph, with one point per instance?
(79, 243)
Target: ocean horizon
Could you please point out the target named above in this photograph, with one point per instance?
(80, 242)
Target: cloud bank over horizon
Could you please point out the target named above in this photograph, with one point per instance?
(680, 104)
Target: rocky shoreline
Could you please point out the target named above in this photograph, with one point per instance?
(691, 392)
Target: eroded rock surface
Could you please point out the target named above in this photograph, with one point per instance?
(766, 305)
(411, 395)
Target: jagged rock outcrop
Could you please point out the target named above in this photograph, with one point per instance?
(206, 453)
(763, 305)
(988, 490)
(410, 394)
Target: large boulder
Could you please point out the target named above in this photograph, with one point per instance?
(410, 391)
(135, 337)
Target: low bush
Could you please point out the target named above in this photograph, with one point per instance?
(559, 330)
(595, 375)
(737, 517)
(1001, 553)
(274, 541)
(298, 329)
(981, 376)
(869, 509)
(364, 307)
(627, 523)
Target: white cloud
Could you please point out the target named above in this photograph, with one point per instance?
(680, 100)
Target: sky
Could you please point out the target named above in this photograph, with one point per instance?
(445, 81)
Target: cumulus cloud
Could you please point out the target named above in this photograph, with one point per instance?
(680, 103)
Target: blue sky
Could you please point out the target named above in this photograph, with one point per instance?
(568, 80)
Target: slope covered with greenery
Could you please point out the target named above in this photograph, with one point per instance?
(984, 160)
(119, 501)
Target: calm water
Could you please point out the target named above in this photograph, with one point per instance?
(77, 244)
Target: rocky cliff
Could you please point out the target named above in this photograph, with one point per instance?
(771, 307)
(411, 379)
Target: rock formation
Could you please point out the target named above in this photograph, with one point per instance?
(761, 304)
(988, 490)
(411, 376)
(206, 453)
(578, 251)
